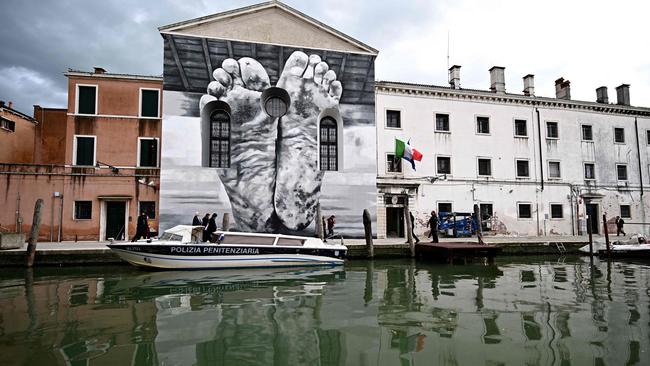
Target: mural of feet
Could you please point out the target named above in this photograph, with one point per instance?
(251, 180)
(313, 89)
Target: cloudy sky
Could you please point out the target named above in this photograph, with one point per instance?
(591, 43)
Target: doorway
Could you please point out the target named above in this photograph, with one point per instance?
(395, 222)
(115, 220)
(592, 211)
(487, 211)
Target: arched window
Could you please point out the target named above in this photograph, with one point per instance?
(328, 144)
(220, 139)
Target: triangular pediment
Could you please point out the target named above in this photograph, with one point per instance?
(273, 23)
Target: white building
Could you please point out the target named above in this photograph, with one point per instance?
(535, 165)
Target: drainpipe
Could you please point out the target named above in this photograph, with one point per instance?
(541, 161)
(573, 222)
(638, 154)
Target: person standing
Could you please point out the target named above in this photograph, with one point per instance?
(330, 225)
(204, 222)
(619, 226)
(142, 228)
(212, 226)
(433, 225)
(196, 221)
(412, 218)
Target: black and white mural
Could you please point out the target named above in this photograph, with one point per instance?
(267, 133)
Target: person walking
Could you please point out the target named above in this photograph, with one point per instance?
(330, 225)
(204, 222)
(433, 225)
(196, 221)
(619, 226)
(412, 218)
(212, 226)
(142, 228)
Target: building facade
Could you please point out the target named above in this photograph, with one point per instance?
(269, 115)
(16, 134)
(534, 165)
(95, 164)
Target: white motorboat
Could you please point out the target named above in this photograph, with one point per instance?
(633, 247)
(181, 248)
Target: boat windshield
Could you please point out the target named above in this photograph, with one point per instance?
(171, 237)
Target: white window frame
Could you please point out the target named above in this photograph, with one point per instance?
(548, 167)
(386, 165)
(435, 122)
(476, 117)
(157, 152)
(614, 135)
(451, 168)
(627, 172)
(582, 137)
(76, 102)
(140, 104)
(550, 211)
(517, 173)
(620, 212)
(519, 214)
(401, 118)
(74, 210)
(74, 150)
(451, 203)
(478, 171)
(546, 130)
(514, 127)
(584, 163)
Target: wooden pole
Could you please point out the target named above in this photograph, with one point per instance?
(225, 222)
(606, 234)
(33, 234)
(479, 225)
(591, 239)
(367, 227)
(409, 233)
(318, 222)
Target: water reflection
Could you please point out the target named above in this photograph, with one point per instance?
(517, 312)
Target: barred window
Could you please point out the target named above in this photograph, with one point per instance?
(328, 144)
(220, 139)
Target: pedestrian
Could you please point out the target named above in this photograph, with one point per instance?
(204, 222)
(330, 225)
(196, 221)
(142, 227)
(619, 226)
(433, 225)
(412, 218)
(212, 226)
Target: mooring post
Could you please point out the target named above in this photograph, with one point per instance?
(479, 225)
(367, 227)
(317, 223)
(591, 239)
(33, 234)
(606, 234)
(409, 233)
(225, 222)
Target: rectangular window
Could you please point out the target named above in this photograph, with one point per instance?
(522, 169)
(149, 99)
(443, 165)
(647, 136)
(524, 211)
(619, 135)
(590, 171)
(554, 169)
(83, 210)
(621, 171)
(626, 212)
(148, 150)
(521, 129)
(84, 153)
(7, 124)
(483, 125)
(86, 99)
(393, 119)
(587, 133)
(444, 207)
(557, 211)
(485, 167)
(148, 207)
(552, 130)
(442, 122)
(393, 165)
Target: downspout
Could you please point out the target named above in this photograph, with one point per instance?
(573, 221)
(638, 156)
(539, 140)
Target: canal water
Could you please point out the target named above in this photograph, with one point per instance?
(519, 311)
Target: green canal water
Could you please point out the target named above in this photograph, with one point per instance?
(519, 311)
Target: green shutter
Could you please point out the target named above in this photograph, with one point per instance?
(149, 106)
(86, 99)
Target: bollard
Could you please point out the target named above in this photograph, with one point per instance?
(409, 234)
(317, 223)
(367, 227)
(33, 234)
(225, 222)
(591, 239)
(606, 234)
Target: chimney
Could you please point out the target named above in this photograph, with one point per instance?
(529, 85)
(99, 70)
(11, 104)
(2, 103)
(601, 95)
(497, 79)
(562, 89)
(623, 94)
(454, 76)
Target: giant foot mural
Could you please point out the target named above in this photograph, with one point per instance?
(273, 180)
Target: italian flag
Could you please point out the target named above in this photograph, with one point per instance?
(406, 152)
